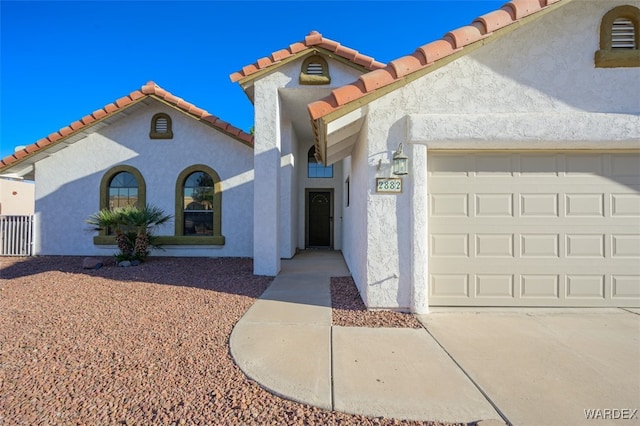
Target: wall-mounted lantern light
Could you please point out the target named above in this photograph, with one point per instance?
(400, 162)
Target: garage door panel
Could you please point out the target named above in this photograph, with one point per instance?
(625, 286)
(534, 229)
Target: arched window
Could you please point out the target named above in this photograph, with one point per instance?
(198, 203)
(121, 186)
(161, 127)
(315, 70)
(619, 38)
(315, 169)
(123, 190)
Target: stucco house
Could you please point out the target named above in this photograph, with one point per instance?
(497, 166)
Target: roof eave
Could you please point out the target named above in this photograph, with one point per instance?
(44, 147)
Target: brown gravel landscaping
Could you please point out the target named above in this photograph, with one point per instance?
(349, 310)
(138, 345)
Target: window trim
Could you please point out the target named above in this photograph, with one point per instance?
(179, 238)
(608, 57)
(154, 134)
(314, 79)
(102, 238)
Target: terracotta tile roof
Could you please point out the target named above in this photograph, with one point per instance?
(148, 90)
(424, 56)
(313, 39)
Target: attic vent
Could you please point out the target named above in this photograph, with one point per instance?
(315, 71)
(161, 127)
(623, 34)
(619, 38)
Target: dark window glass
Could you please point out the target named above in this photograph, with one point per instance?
(198, 194)
(123, 190)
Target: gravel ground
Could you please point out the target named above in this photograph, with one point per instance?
(139, 345)
(349, 310)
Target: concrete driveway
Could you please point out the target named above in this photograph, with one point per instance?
(532, 367)
(548, 366)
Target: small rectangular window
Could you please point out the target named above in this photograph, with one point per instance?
(348, 189)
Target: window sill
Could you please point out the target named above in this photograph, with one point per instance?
(314, 80)
(617, 58)
(168, 240)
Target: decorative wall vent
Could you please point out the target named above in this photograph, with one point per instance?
(161, 127)
(315, 71)
(623, 34)
(619, 38)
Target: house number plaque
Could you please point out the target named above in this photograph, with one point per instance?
(389, 185)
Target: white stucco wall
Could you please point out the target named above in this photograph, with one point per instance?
(355, 220)
(68, 182)
(545, 67)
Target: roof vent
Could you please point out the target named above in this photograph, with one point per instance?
(623, 34)
(161, 127)
(315, 70)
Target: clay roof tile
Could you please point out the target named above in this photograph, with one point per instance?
(407, 64)
(280, 55)
(522, 8)
(98, 114)
(347, 52)
(321, 108)
(313, 39)
(466, 35)
(123, 101)
(264, 62)
(87, 119)
(348, 93)
(19, 154)
(32, 148)
(495, 20)
(66, 131)
(329, 44)
(297, 47)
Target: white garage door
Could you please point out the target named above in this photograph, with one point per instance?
(534, 229)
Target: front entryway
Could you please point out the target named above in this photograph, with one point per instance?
(319, 218)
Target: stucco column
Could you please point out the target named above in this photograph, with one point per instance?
(266, 189)
(419, 224)
(287, 192)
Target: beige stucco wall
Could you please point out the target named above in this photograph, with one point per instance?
(17, 197)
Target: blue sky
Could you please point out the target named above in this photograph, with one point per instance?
(60, 61)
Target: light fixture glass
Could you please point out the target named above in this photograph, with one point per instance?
(400, 162)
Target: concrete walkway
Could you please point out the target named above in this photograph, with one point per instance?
(520, 367)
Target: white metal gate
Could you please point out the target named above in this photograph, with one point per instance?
(16, 235)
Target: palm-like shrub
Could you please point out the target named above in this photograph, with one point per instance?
(133, 228)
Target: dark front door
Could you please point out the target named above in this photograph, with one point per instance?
(319, 218)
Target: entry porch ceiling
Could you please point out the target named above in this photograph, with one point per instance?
(342, 133)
